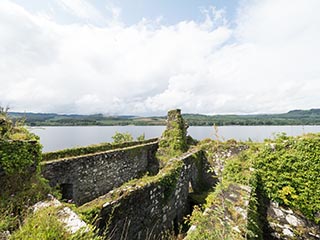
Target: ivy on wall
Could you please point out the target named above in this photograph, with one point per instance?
(22, 185)
(289, 168)
(173, 141)
(19, 149)
(18, 156)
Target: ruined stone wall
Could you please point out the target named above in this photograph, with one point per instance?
(286, 224)
(146, 208)
(86, 177)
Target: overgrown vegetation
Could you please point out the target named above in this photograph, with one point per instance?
(220, 217)
(172, 144)
(43, 224)
(166, 178)
(71, 152)
(18, 192)
(22, 186)
(46, 225)
(173, 141)
(19, 149)
(220, 220)
(122, 137)
(141, 137)
(284, 170)
(289, 169)
(21, 183)
(114, 201)
(10, 130)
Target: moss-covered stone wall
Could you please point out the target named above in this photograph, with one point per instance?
(95, 148)
(20, 182)
(173, 141)
(20, 150)
(86, 177)
(149, 207)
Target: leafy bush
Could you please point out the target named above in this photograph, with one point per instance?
(122, 137)
(13, 130)
(142, 137)
(237, 169)
(19, 156)
(289, 168)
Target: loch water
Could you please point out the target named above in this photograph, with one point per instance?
(56, 138)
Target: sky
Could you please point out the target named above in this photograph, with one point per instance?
(144, 57)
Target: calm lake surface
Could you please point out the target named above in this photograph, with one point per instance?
(56, 138)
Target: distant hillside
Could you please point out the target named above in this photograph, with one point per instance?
(53, 119)
(314, 112)
(294, 117)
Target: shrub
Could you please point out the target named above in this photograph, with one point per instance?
(122, 137)
(142, 137)
(289, 168)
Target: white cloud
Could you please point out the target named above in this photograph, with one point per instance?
(268, 62)
(115, 13)
(81, 9)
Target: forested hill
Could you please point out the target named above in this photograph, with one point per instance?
(294, 117)
(53, 119)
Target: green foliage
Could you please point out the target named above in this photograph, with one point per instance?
(169, 180)
(284, 170)
(86, 234)
(10, 130)
(142, 137)
(19, 191)
(19, 149)
(204, 226)
(237, 168)
(257, 223)
(287, 194)
(42, 225)
(72, 152)
(22, 185)
(289, 168)
(5, 122)
(220, 218)
(122, 137)
(45, 225)
(90, 212)
(18, 156)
